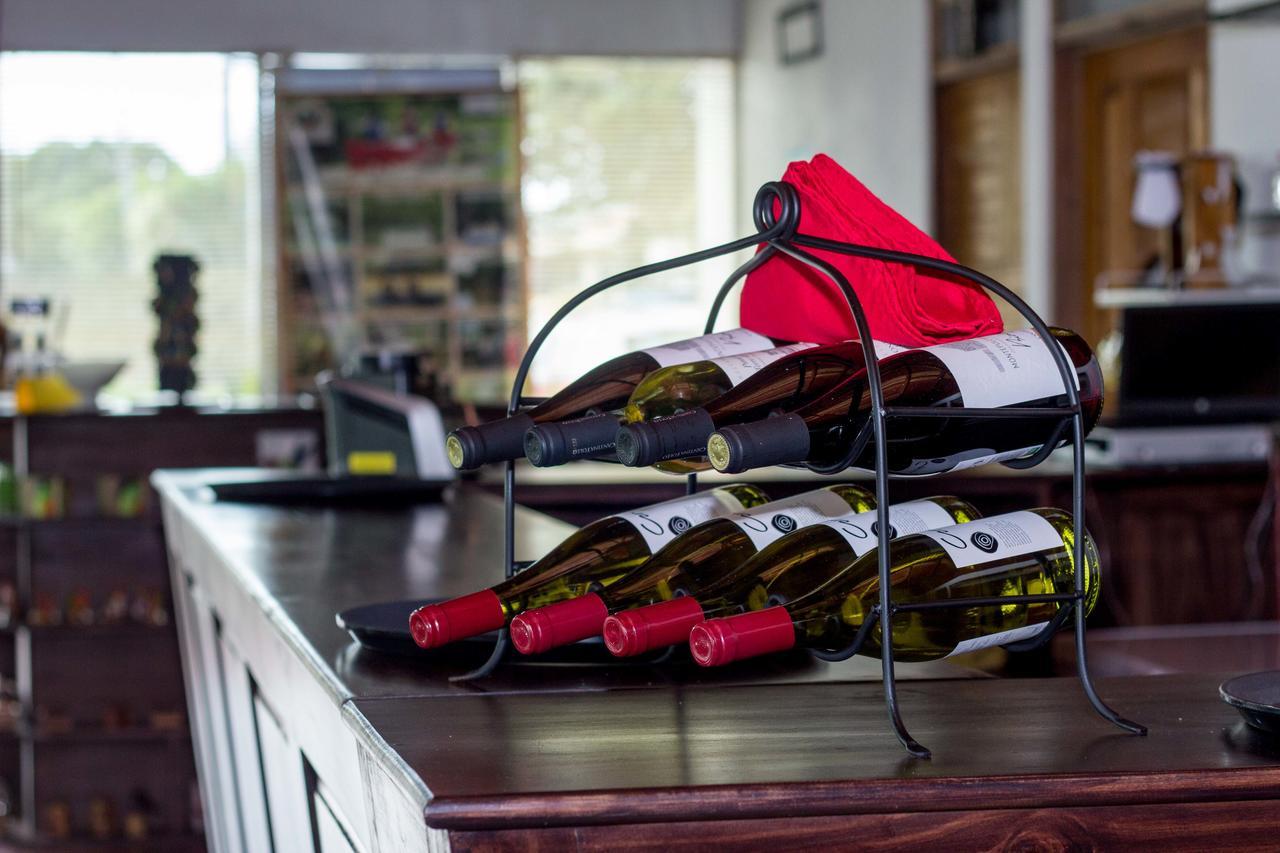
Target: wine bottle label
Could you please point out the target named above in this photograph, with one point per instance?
(884, 349)
(706, 347)
(960, 461)
(995, 457)
(996, 538)
(765, 523)
(861, 529)
(661, 523)
(739, 367)
(1000, 638)
(1002, 370)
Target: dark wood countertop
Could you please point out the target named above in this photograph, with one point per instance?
(585, 752)
(304, 565)
(763, 751)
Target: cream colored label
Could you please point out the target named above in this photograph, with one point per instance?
(1001, 638)
(996, 538)
(772, 521)
(883, 349)
(1002, 370)
(706, 347)
(860, 529)
(965, 459)
(661, 523)
(739, 367)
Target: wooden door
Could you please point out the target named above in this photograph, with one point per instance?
(1146, 95)
(979, 177)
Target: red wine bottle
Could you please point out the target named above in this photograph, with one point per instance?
(783, 386)
(602, 389)
(664, 392)
(1009, 369)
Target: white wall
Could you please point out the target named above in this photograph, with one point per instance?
(489, 27)
(867, 101)
(1244, 97)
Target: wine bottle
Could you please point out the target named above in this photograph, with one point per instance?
(1021, 553)
(680, 440)
(602, 389)
(665, 392)
(793, 565)
(594, 556)
(693, 558)
(1009, 369)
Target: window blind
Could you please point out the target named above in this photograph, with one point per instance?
(106, 161)
(626, 161)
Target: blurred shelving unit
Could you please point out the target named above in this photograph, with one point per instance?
(399, 224)
(93, 706)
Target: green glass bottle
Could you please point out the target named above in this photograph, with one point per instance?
(794, 564)
(1021, 553)
(596, 555)
(691, 560)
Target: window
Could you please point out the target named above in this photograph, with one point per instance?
(106, 161)
(626, 161)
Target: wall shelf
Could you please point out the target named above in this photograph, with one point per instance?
(1143, 297)
(134, 664)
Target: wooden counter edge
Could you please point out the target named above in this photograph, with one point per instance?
(854, 797)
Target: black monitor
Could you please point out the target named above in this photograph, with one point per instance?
(1192, 364)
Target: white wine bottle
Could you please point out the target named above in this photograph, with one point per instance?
(790, 566)
(595, 556)
(702, 554)
(1021, 553)
(602, 389)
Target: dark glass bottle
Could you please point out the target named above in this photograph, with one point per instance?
(1009, 369)
(678, 442)
(604, 388)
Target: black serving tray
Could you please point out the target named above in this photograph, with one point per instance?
(331, 491)
(1257, 697)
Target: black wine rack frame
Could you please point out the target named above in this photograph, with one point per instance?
(778, 231)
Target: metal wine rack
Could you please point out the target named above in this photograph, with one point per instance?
(777, 230)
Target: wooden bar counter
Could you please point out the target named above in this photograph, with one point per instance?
(307, 742)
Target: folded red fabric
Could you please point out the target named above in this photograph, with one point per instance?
(904, 305)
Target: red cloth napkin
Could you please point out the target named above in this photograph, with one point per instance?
(904, 305)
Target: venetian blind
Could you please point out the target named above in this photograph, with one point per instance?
(626, 161)
(106, 161)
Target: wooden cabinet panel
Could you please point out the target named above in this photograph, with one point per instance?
(979, 177)
(255, 827)
(1189, 827)
(1144, 96)
(286, 789)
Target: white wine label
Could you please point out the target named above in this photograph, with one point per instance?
(860, 529)
(776, 519)
(661, 523)
(884, 350)
(1000, 638)
(994, 457)
(704, 347)
(1002, 370)
(995, 538)
(739, 367)
(960, 461)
